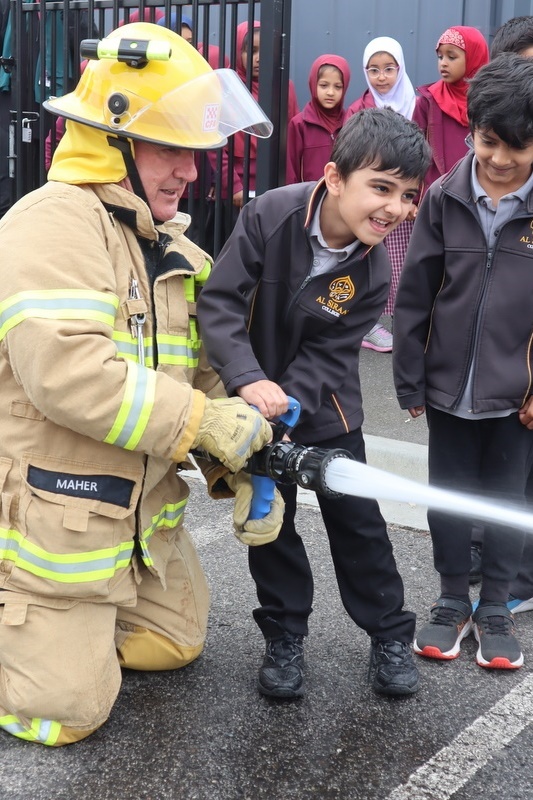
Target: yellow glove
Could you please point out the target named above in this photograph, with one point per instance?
(253, 531)
(231, 431)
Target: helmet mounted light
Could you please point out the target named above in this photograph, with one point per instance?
(135, 53)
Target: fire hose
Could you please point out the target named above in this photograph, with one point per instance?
(336, 473)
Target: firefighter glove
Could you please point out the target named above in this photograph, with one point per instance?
(253, 531)
(231, 430)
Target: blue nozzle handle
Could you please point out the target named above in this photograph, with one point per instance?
(263, 487)
(263, 496)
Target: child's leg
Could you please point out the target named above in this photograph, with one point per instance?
(370, 585)
(507, 452)
(454, 463)
(283, 577)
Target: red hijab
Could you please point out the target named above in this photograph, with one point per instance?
(242, 33)
(292, 105)
(451, 97)
(330, 118)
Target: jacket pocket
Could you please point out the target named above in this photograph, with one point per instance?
(75, 527)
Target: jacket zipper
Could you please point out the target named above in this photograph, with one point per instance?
(475, 338)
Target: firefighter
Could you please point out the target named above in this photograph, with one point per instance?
(104, 389)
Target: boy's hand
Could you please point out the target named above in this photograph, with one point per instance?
(266, 396)
(417, 411)
(525, 415)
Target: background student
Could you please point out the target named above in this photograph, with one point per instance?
(388, 85)
(248, 49)
(441, 107)
(312, 133)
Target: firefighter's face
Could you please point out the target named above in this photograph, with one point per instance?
(164, 172)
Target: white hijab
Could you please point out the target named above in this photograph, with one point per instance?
(402, 95)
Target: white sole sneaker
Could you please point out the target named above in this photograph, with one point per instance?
(516, 606)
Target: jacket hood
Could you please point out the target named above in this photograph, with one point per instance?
(84, 155)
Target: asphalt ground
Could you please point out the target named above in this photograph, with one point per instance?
(204, 733)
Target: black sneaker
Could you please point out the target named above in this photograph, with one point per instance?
(281, 674)
(474, 576)
(392, 668)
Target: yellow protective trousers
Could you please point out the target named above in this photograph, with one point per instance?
(60, 658)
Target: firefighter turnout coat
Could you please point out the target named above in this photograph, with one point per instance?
(102, 389)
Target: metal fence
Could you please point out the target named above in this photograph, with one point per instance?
(45, 61)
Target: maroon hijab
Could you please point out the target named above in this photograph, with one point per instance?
(330, 118)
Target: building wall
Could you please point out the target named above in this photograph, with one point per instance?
(345, 27)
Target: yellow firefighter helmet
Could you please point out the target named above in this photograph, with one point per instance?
(146, 82)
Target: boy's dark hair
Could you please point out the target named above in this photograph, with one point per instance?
(514, 36)
(384, 140)
(500, 99)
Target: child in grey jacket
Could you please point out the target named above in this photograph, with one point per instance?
(462, 354)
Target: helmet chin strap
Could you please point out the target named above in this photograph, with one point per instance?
(124, 145)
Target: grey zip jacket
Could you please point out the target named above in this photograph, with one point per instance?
(459, 306)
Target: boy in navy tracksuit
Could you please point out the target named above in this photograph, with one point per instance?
(463, 328)
(300, 281)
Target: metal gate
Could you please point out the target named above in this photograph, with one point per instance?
(42, 60)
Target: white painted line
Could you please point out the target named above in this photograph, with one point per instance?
(454, 765)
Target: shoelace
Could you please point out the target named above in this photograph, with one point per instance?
(445, 616)
(496, 625)
(285, 649)
(394, 652)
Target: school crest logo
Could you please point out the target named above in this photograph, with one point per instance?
(340, 291)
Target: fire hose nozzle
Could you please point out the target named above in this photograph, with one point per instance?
(287, 463)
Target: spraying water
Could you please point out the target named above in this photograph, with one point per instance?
(351, 477)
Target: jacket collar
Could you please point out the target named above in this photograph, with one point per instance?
(457, 183)
(128, 208)
(314, 196)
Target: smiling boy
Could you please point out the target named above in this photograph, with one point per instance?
(302, 278)
(462, 353)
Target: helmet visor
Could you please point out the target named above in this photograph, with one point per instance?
(200, 114)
